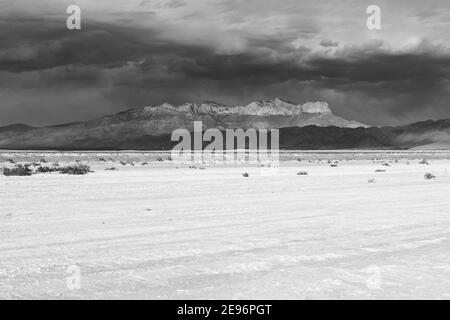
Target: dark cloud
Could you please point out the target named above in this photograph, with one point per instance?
(52, 74)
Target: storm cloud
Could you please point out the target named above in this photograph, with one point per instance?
(145, 53)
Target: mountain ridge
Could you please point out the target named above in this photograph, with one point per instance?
(302, 126)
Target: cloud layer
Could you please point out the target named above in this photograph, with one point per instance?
(137, 53)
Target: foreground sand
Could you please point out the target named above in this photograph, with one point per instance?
(161, 232)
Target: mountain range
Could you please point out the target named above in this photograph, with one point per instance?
(302, 126)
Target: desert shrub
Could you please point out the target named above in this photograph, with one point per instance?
(45, 169)
(11, 161)
(245, 175)
(302, 173)
(144, 164)
(77, 169)
(102, 159)
(18, 170)
(429, 176)
(111, 169)
(371, 181)
(386, 164)
(334, 165)
(43, 161)
(124, 163)
(380, 170)
(424, 161)
(159, 158)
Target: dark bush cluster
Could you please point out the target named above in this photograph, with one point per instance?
(45, 169)
(429, 176)
(18, 170)
(24, 170)
(77, 169)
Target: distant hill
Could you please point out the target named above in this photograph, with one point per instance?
(420, 135)
(308, 126)
(18, 127)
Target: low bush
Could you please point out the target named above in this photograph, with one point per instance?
(45, 169)
(77, 169)
(429, 176)
(302, 173)
(18, 170)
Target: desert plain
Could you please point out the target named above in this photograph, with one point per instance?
(331, 224)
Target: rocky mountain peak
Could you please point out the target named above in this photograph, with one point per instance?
(316, 107)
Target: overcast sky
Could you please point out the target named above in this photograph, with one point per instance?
(135, 53)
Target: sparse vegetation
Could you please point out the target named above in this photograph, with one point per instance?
(46, 169)
(25, 170)
(380, 170)
(302, 173)
(371, 180)
(245, 175)
(111, 169)
(18, 170)
(429, 176)
(424, 161)
(78, 169)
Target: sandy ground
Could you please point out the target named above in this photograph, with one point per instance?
(158, 232)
